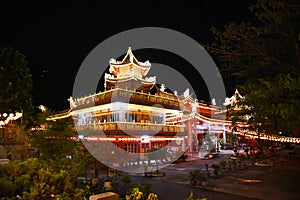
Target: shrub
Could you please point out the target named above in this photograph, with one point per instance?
(223, 164)
(191, 197)
(196, 176)
(136, 194)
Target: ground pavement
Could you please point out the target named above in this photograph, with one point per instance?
(262, 181)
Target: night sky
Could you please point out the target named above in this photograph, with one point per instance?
(57, 36)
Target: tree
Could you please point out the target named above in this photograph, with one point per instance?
(32, 179)
(58, 145)
(137, 194)
(263, 57)
(273, 105)
(56, 141)
(15, 83)
(262, 48)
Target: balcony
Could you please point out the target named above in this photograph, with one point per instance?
(129, 96)
(118, 128)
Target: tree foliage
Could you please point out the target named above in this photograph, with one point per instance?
(31, 179)
(263, 58)
(59, 147)
(261, 48)
(15, 82)
(274, 104)
(57, 141)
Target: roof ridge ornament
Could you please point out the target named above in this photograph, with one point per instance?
(128, 64)
(186, 93)
(130, 54)
(234, 99)
(237, 94)
(162, 87)
(127, 70)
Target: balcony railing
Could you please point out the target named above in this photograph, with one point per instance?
(129, 96)
(129, 126)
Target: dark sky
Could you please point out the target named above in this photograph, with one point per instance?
(56, 36)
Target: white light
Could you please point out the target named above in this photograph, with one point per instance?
(81, 136)
(42, 108)
(213, 101)
(145, 139)
(227, 101)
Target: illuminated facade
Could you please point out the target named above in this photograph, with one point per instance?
(130, 115)
(137, 116)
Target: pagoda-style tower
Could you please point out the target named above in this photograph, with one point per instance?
(129, 74)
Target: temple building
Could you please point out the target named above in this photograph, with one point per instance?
(137, 114)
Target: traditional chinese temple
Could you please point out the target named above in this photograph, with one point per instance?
(137, 114)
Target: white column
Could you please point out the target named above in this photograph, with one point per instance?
(190, 137)
(224, 134)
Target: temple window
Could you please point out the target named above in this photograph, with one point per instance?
(114, 117)
(132, 148)
(157, 119)
(104, 118)
(157, 145)
(130, 117)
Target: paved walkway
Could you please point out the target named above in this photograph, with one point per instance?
(173, 191)
(279, 181)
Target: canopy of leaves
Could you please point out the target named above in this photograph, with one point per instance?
(262, 48)
(15, 82)
(59, 147)
(276, 103)
(263, 58)
(57, 140)
(31, 179)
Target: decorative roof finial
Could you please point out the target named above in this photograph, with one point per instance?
(162, 87)
(186, 93)
(213, 102)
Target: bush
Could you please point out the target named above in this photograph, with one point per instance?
(223, 164)
(191, 197)
(31, 179)
(196, 176)
(136, 194)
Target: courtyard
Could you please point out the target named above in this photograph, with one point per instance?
(278, 178)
